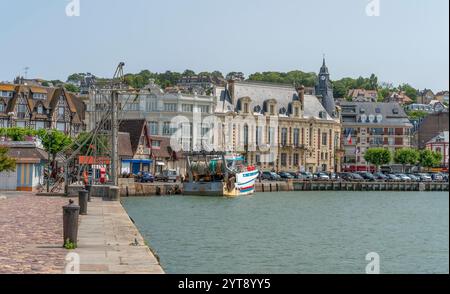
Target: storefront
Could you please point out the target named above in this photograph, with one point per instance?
(136, 166)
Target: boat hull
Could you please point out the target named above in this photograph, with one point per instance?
(245, 185)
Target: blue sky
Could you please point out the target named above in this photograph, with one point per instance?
(408, 42)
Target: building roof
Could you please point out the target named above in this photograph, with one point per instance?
(355, 93)
(385, 114)
(7, 87)
(25, 152)
(164, 150)
(136, 128)
(442, 137)
(125, 149)
(260, 92)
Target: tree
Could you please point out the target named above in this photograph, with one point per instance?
(237, 76)
(72, 88)
(409, 91)
(430, 159)
(17, 134)
(6, 163)
(406, 156)
(188, 73)
(54, 141)
(378, 157)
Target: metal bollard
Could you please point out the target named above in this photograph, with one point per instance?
(83, 201)
(88, 188)
(70, 223)
(114, 193)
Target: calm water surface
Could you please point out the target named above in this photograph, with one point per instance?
(297, 232)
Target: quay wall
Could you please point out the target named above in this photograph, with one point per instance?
(128, 188)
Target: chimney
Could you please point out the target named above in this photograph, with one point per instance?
(301, 95)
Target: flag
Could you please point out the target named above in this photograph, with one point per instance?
(349, 138)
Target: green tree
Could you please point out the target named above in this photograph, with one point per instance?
(409, 91)
(406, 156)
(6, 163)
(430, 159)
(17, 134)
(54, 141)
(378, 157)
(188, 73)
(72, 88)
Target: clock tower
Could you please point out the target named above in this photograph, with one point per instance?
(324, 88)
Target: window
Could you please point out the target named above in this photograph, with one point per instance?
(272, 109)
(204, 108)
(39, 96)
(246, 135)
(7, 94)
(22, 108)
(283, 159)
(258, 159)
(20, 124)
(170, 107)
(245, 107)
(296, 137)
(40, 125)
(296, 112)
(324, 139)
(156, 144)
(168, 129)
(3, 123)
(40, 109)
(284, 136)
(2, 107)
(151, 104)
(61, 127)
(187, 108)
(153, 126)
(272, 136)
(258, 136)
(296, 159)
(61, 110)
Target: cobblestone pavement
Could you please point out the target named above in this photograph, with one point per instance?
(31, 234)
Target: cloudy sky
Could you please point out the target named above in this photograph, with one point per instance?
(407, 42)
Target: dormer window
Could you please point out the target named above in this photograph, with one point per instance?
(40, 109)
(245, 107)
(272, 109)
(296, 111)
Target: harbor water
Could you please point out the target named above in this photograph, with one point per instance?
(297, 232)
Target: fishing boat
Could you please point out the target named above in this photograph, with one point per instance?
(218, 174)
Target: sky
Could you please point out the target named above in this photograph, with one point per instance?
(407, 42)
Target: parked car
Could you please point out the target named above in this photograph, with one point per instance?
(296, 175)
(438, 177)
(424, 177)
(356, 177)
(307, 175)
(335, 177)
(414, 178)
(367, 176)
(321, 176)
(403, 178)
(351, 177)
(381, 176)
(169, 175)
(270, 176)
(285, 176)
(393, 178)
(146, 177)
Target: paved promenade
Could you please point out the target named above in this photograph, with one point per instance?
(31, 234)
(31, 238)
(109, 243)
